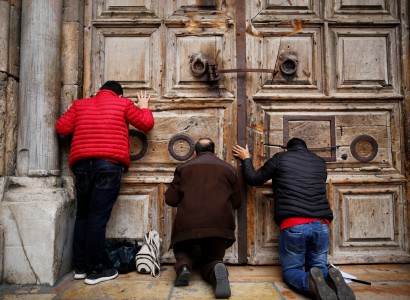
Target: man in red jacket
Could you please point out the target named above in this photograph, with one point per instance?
(100, 148)
(206, 191)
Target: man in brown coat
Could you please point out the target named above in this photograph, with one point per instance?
(206, 191)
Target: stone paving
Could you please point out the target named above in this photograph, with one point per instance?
(388, 281)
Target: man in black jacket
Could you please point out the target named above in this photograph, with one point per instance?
(303, 214)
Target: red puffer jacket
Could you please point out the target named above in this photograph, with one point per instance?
(100, 127)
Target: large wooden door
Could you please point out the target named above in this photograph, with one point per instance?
(336, 84)
(330, 76)
(159, 47)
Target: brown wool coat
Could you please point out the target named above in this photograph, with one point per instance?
(205, 191)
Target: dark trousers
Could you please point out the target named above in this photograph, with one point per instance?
(97, 186)
(205, 251)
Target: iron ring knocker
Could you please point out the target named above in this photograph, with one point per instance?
(368, 142)
(186, 138)
(144, 140)
(199, 64)
(289, 66)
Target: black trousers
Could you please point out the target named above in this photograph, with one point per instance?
(97, 186)
(206, 252)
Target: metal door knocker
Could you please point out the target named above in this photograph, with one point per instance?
(201, 64)
(143, 139)
(184, 137)
(289, 65)
(364, 148)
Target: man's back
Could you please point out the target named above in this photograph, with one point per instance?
(100, 127)
(301, 174)
(298, 183)
(206, 191)
(208, 179)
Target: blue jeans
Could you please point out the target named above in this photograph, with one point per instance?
(301, 248)
(97, 187)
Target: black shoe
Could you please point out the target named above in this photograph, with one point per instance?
(80, 273)
(222, 288)
(104, 275)
(318, 286)
(338, 284)
(183, 276)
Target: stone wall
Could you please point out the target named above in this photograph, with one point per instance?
(37, 208)
(10, 15)
(73, 65)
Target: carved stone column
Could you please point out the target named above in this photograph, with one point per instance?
(39, 87)
(37, 209)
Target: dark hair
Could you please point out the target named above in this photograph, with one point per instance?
(295, 142)
(112, 86)
(204, 145)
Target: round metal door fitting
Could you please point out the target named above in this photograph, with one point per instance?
(364, 148)
(289, 66)
(185, 138)
(199, 64)
(143, 138)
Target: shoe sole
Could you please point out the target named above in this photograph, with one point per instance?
(183, 278)
(323, 290)
(342, 289)
(80, 276)
(101, 279)
(222, 289)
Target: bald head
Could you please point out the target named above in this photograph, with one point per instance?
(204, 145)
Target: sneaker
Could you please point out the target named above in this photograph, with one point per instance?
(183, 276)
(80, 274)
(318, 287)
(104, 275)
(222, 288)
(339, 285)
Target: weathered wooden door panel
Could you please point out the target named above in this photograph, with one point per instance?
(150, 45)
(335, 83)
(362, 155)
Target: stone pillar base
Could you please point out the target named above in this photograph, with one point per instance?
(37, 216)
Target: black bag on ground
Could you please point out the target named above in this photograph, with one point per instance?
(121, 255)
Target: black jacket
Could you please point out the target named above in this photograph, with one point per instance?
(298, 183)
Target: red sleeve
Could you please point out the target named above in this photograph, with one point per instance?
(141, 119)
(66, 123)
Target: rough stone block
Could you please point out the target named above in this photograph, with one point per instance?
(3, 116)
(69, 93)
(4, 34)
(73, 11)
(14, 42)
(3, 181)
(38, 220)
(71, 48)
(11, 125)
